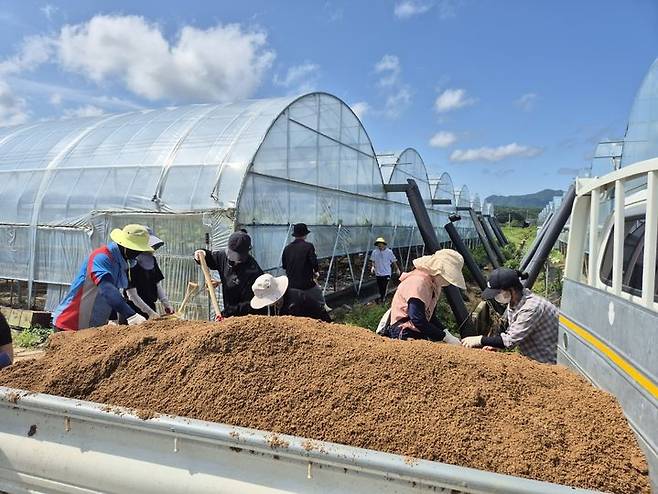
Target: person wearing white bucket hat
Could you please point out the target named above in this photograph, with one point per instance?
(95, 292)
(415, 300)
(281, 300)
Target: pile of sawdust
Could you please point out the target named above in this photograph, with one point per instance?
(497, 412)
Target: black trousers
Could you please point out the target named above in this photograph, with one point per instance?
(382, 284)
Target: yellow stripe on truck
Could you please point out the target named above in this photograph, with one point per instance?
(620, 361)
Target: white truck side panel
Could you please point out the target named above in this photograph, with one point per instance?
(51, 444)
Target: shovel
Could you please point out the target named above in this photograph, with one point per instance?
(190, 292)
(211, 288)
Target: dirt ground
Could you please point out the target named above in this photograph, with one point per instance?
(498, 412)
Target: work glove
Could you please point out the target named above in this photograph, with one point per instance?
(169, 309)
(152, 314)
(136, 319)
(450, 339)
(219, 318)
(198, 254)
(472, 342)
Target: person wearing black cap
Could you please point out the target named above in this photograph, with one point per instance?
(532, 321)
(301, 264)
(237, 272)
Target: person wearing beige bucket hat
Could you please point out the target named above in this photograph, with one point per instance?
(96, 291)
(415, 300)
(275, 294)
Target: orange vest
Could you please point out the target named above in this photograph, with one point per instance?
(416, 284)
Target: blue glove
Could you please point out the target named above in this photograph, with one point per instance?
(5, 361)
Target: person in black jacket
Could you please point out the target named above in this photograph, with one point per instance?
(301, 264)
(281, 300)
(237, 272)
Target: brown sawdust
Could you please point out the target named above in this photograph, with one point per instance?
(497, 412)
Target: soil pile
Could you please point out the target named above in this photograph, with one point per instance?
(498, 412)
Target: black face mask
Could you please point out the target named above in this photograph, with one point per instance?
(129, 253)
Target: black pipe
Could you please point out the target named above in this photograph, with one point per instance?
(483, 238)
(535, 243)
(500, 229)
(494, 228)
(552, 233)
(491, 238)
(453, 294)
(466, 254)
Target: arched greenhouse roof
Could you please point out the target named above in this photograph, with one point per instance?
(641, 139)
(488, 209)
(406, 164)
(476, 204)
(445, 191)
(464, 198)
(182, 159)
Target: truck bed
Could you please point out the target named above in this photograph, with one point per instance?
(51, 444)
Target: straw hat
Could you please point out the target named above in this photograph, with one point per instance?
(267, 290)
(446, 262)
(380, 240)
(134, 237)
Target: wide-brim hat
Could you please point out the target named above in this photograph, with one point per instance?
(133, 237)
(154, 241)
(300, 230)
(268, 290)
(380, 240)
(446, 263)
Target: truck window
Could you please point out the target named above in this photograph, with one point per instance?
(632, 262)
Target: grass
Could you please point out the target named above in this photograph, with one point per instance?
(32, 337)
(362, 315)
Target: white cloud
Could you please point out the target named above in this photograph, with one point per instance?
(526, 102)
(55, 99)
(221, 63)
(443, 139)
(83, 111)
(360, 108)
(495, 154)
(49, 10)
(302, 78)
(409, 8)
(34, 51)
(452, 99)
(12, 108)
(397, 102)
(389, 70)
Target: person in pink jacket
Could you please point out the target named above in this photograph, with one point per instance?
(415, 300)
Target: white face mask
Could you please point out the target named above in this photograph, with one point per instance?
(503, 298)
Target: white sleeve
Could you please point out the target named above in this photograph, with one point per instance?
(139, 303)
(162, 295)
(392, 256)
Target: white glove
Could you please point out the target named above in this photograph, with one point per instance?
(472, 342)
(136, 319)
(152, 314)
(450, 339)
(198, 254)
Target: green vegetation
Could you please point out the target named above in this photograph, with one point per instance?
(362, 315)
(32, 337)
(517, 216)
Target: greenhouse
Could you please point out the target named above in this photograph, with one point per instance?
(197, 173)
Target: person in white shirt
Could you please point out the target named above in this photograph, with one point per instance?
(383, 260)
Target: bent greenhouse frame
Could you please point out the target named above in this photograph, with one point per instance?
(195, 174)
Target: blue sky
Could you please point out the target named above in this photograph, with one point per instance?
(507, 96)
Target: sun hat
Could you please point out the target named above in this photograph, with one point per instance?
(268, 289)
(300, 230)
(133, 237)
(154, 241)
(445, 262)
(239, 245)
(380, 240)
(500, 279)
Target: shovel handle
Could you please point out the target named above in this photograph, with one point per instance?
(211, 289)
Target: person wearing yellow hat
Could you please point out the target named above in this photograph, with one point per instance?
(383, 260)
(96, 291)
(415, 300)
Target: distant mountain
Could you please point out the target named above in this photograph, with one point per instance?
(536, 200)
